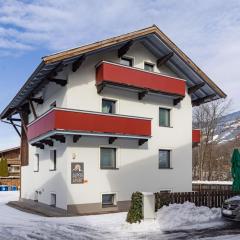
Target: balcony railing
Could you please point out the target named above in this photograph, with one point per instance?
(143, 81)
(196, 136)
(66, 121)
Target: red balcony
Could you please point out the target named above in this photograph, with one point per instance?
(196, 136)
(141, 80)
(64, 121)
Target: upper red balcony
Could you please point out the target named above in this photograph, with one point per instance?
(59, 121)
(143, 81)
(196, 136)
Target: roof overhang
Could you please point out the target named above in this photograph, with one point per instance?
(152, 38)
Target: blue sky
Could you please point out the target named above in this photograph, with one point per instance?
(208, 31)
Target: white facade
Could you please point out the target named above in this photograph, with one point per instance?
(137, 165)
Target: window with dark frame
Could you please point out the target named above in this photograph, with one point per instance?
(107, 158)
(53, 160)
(53, 200)
(36, 163)
(127, 61)
(148, 67)
(108, 200)
(164, 159)
(108, 106)
(164, 117)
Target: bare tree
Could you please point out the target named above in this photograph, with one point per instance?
(207, 118)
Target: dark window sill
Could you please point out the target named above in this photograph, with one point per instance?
(36, 171)
(108, 205)
(165, 168)
(109, 168)
(166, 126)
(52, 170)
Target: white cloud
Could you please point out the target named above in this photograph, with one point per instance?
(208, 31)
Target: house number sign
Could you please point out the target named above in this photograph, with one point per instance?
(77, 172)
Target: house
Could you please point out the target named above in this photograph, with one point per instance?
(13, 159)
(104, 120)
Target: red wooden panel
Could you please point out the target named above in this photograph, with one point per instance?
(141, 79)
(42, 125)
(89, 122)
(196, 135)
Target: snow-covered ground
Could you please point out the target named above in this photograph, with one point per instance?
(178, 221)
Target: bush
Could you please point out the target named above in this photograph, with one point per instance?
(135, 213)
(162, 199)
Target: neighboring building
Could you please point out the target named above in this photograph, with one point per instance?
(104, 120)
(13, 159)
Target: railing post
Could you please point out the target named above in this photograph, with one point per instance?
(148, 205)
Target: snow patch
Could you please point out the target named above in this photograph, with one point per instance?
(186, 214)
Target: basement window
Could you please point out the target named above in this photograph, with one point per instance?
(109, 200)
(53, 160)
(127, 61)
(53, 200)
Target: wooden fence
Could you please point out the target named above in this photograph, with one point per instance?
(204, 198)
(211, 187)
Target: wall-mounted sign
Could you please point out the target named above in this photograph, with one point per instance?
(77, 172)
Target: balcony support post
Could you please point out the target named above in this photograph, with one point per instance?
(76, 138)
(142, 141)
(177, 101)
(47, 142)
(59, 138)
(142, 94)
(100, 87)
(111, 140)
(38, 145)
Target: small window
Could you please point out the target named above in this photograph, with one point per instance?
(164, 117)
(53, 160)
(36, 163)
(148, 67)
(53, 200)
(108, 158)
(164, 158)
(127, 61)
(108, 106)
(108, 200)
(54, 104)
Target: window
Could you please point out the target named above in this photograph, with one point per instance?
(36, 163)
(54, 104)
(164, 158)
(53, 160)
(164, 117)
(127, 61)
(148, 67)
(108, 200)
(108, 158)
(53, 200)
(108, 106)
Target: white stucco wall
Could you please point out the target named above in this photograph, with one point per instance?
(138, 165)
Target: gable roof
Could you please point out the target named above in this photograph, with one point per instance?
(152, 38)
